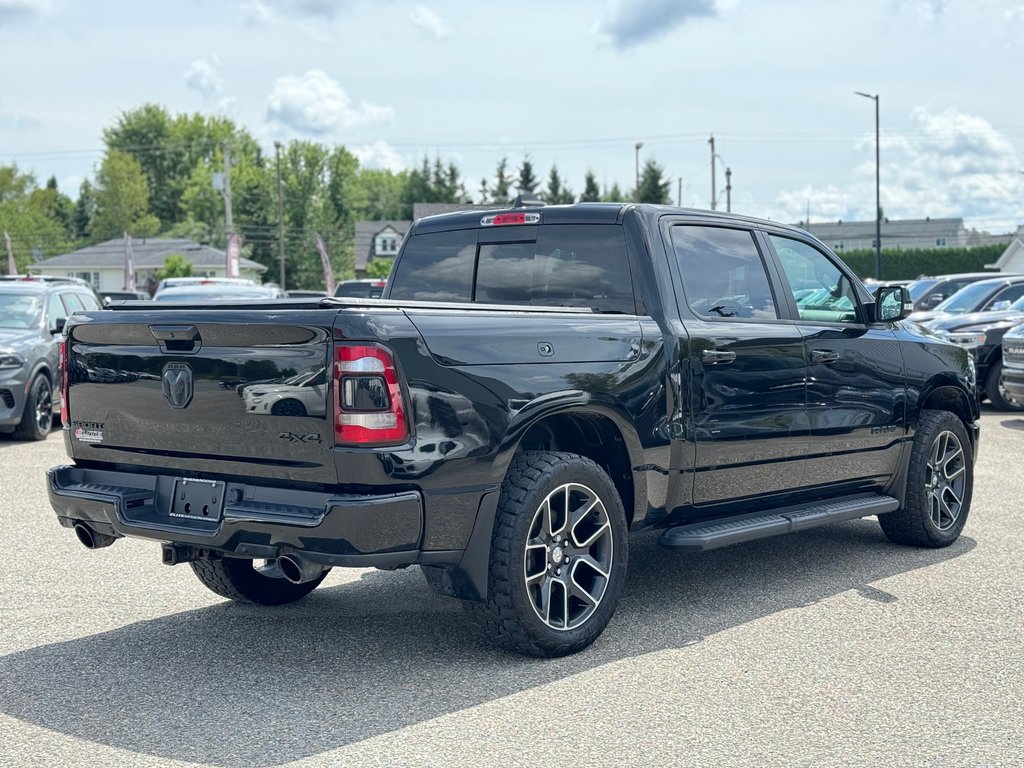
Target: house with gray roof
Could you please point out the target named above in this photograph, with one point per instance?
(896, 234)
(381, 239)
(102, 264)
(1012, 259)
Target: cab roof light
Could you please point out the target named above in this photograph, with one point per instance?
(504, 219)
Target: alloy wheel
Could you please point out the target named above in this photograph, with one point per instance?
(945, 480)
(568, 557)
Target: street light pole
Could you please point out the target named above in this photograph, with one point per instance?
(878, 190)
(636, 189)
(280, 214)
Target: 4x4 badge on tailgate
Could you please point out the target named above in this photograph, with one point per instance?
(177, 385)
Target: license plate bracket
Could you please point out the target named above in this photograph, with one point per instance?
(198, 499)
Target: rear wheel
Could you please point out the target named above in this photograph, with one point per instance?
(37, 417)
(246, 581)
(558, 556)
(939, 485)
(996, 391)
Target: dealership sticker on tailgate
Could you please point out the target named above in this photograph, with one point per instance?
(88, 431)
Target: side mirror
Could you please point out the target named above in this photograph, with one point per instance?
(933, 301)
(58, 325)
(999, 306)
(892, 303)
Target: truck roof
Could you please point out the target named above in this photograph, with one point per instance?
(586, 213)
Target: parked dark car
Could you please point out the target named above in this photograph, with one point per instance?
(980, 296)
(370, 288)
(982, 334)
(532, 385)
(928, 292)
(33, 312)
(1013, 364)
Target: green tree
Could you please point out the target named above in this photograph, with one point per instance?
(85, 209)
(175, 265)
(527, 181)
(591, 192)
(30, 216)
(557, 193)
(380, 194)
(379, 268)
(122, 199)
(502, 183)
(653, 185)
(614, 195)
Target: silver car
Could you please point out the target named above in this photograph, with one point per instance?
(33, 312)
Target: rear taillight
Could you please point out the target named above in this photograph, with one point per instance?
(63, 352)
(368, 405)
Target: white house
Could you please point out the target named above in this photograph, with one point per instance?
(103, 264)
(1012, 259)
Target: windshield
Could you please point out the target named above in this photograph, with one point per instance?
(918, 287)
(19, 310)
(967, 299)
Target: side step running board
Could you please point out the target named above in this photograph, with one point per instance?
(760, 525)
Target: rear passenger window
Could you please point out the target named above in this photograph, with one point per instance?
(437, 266)
(723, 274)
(569, 265)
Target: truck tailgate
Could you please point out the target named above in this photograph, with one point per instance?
(216, 391)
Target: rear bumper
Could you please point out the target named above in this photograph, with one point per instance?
(257, 521)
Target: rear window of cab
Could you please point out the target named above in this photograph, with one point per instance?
(554, 265)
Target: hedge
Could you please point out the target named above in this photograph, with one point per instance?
(911, 263)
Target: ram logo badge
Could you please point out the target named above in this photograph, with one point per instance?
(177, 385)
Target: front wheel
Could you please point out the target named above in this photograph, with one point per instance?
(245, 582)
(996, 391)
(558, 556)
(940, 482)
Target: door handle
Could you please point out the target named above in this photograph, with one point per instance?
(824, 356)
(717, 357)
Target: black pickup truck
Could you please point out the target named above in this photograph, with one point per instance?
(534, 384)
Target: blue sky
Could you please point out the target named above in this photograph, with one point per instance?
(573, 83)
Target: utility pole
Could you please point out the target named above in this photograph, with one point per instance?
(280, 214)
(226, 191)
(714, 197)
(679, 195)
(728, 189)
(636, 189)
(878, 190)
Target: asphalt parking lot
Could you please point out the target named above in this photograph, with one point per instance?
(829, 647)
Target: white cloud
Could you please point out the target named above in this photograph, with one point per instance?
(428, 20)
(317, 104)
(17, 10)
(948, 164)
(628, 23)
(263, 11)
(380, 154)
(203, 76)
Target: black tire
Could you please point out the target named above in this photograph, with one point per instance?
(237, 579)
(288, 407)
(929, 517)
(37, 416)
(1001, 400)
(511, 615)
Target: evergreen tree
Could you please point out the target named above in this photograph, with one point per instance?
(614, 195)
(485, 193)
(502, 182)
(591, 193)
(527, 181)
(85, 209)
(557, 193)
(653, 185)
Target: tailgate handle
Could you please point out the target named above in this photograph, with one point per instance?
(179, 339)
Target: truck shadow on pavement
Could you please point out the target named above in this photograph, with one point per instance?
(239, 686)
